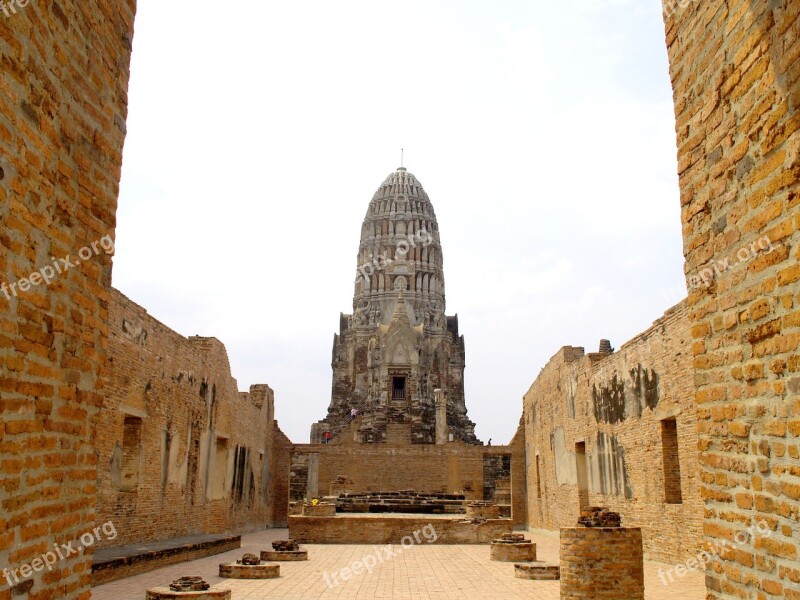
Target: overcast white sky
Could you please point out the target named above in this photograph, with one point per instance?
(258, 131)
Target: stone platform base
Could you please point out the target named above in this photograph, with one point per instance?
(483, 512)
(319, 510)
(289, 555)
(236, 571)
(395, 529)
(164, 593)
(537, 571)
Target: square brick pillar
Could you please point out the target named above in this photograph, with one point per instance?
(602, 563)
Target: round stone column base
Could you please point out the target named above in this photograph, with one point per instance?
(236, 571)
(164, 593)
(513, 552)
(284, 555)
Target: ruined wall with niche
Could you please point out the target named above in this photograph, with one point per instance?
(181, 450)
(735, 69)
(599, 430)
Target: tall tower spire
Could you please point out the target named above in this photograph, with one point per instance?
(398, 346)
(400, 249)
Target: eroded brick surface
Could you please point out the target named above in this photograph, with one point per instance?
(63, 104)
(735, 70)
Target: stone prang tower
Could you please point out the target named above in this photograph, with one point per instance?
(398, 356)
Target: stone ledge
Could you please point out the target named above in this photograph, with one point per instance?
(111, 564)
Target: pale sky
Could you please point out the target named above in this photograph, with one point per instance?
(543, 133)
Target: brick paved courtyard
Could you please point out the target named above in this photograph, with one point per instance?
(435, 572)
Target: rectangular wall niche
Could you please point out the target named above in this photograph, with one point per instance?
(131, 453)
(538, 479)
(398, 388)
(672, 467)
(220, 467)
(583, 475)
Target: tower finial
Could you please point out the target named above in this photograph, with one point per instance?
(402, 157)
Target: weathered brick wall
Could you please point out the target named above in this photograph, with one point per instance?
(62, 127)
(198, 454)
(735, 70)
(614, 405)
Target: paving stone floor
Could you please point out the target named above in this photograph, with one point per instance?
(420, 572)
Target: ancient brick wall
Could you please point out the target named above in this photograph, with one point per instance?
(62, 127)
(735, 70)
(594, 430)
(181, 450)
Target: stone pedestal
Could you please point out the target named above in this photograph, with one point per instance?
(483, 510)
(537, 571)
(284, 555)
(602, 563)
(164, 593)
(513, 548)
(319, 510)
(238, 571)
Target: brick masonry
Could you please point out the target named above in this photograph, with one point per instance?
(735, 70)
(63, 105)
(602, 563)
(200, 455)
(595, 425)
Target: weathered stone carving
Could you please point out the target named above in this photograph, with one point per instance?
(189, 584)
(596, 516)
(285, 546)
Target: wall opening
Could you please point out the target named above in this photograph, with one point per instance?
(398, 388)
(583, 479)
(240, 473)
(672, 466)
(220, 467)
(131, 453)
(538, 479)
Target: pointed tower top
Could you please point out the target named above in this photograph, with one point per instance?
(400, 313)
